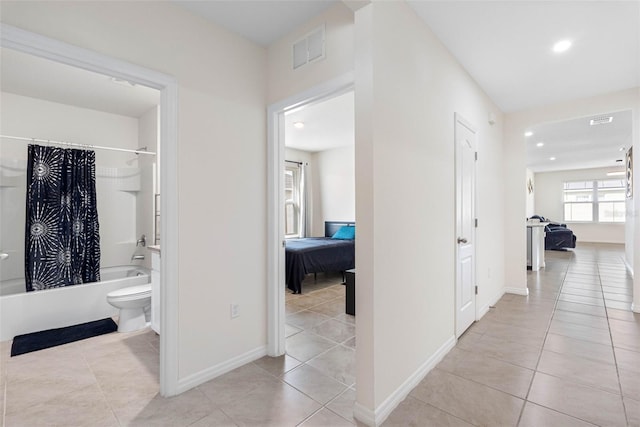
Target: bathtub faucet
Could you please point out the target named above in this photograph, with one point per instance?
(136, 257)
(142, 241)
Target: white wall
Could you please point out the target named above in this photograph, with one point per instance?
(147, 164)
(335, 174)
(284, 81)
(515, 208)
(549, 203)
(115, 180)
(405, 198)
(221, 161)
(531, 205)
(332, 183)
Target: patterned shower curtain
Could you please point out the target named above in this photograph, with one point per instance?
(62, 240)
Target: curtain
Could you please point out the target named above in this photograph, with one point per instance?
(62, 240)
(304, 201)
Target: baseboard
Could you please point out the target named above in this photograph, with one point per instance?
(212, 372)
(485, 308)
(634, 308)
(517, 291)
(377, 417)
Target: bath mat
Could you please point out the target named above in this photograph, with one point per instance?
(52, 337)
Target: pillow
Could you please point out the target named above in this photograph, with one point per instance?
(347, 232)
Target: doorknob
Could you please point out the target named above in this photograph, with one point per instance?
(462, 240)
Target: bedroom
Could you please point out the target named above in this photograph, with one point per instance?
(319, 170)
(319, 200)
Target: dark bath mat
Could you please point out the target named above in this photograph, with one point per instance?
(50, 338)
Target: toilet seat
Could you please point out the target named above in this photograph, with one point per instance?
(132, 292)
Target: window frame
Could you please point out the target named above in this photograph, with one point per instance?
(295, 201)
(595, 202)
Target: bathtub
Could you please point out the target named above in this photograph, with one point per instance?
(23, 312)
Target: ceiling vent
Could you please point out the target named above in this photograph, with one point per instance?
(601, 120)
(309, 49)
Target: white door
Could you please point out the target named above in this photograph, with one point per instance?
(465, 138)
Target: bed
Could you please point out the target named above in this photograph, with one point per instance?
(317, 254)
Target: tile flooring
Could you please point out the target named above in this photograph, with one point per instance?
(567, 355)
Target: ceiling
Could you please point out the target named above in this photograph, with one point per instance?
(28, 75)
(576, 144)
(261, 21)
(327, 125)
(506, 46)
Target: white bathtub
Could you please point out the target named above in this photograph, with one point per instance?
(23, 312)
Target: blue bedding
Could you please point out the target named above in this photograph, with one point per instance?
(314, 255)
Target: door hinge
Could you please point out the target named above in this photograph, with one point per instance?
(476, 222)
(284, 243)
(476, 289)
(476, 155)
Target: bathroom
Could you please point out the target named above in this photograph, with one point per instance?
(42, 101)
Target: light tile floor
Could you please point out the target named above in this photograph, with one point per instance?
(567, 355)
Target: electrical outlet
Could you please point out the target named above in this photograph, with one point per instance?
(235, 311)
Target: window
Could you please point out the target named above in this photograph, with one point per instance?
(595, 201)
(292, 201)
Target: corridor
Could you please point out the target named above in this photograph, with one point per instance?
(566, 355)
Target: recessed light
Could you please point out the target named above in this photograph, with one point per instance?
(298, 125)
(620, 173)
(540, 144)
(602, 120)
(552, 158)
(622, 149)
(562, 46)
(528, 133)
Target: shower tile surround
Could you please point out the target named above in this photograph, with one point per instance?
(531, 361)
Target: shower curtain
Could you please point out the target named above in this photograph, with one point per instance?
(62, 240)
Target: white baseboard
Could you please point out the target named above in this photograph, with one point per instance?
(485, 308)
(212, 372)
(517, 291)
(377, 417)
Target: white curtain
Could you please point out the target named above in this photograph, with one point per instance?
(305, 221)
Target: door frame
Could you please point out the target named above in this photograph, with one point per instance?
(55, 50)
(275, 200)
(458, 118)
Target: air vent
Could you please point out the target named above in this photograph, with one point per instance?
(601, 120)
(309, 49)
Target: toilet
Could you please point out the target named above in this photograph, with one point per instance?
(134, 303)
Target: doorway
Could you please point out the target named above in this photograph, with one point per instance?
(276, 205)
(44, 47)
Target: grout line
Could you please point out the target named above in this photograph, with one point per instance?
(544, 341)
(613, 350)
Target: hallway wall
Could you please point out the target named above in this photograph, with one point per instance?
(405, 201)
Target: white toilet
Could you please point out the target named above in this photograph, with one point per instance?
(134, 303)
